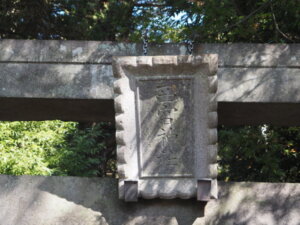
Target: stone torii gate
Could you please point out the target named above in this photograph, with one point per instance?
(73, 80)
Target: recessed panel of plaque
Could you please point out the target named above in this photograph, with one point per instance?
(166, 119)
(166, 140)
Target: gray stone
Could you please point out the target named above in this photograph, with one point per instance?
(48, 80)
(250, 203)
(258, 83)
(93, 52)
(131, 191)
(166, 112)
(166, 123)
(203, 189)
(37, 200)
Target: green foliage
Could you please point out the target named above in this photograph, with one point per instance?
(56, 148)
(272, 21)
(24, 146)
(65, 19)
(87, 152)
(261, 153)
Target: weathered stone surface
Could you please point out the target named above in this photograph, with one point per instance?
(37, 200)
(255, 203)
(245, 69)
(166, 123)
(230, 55)
(258, 83)
(64, 51)
(73, 81)
(166, 112)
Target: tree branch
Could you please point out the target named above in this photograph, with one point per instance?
(249, 16)
(226, 29)
(277, 26)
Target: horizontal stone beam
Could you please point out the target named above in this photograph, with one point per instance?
(48, 80)
(264, 95)
(101, 52)
(66, 201)
(38, 109)
(95, 81)
(254, 79)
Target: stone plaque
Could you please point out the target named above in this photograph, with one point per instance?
(166, 118)
(165, 109)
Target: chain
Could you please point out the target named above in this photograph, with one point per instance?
(145, 42)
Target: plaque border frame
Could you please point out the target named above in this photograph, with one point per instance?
(125, 71)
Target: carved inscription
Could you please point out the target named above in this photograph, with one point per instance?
(165, 109)
(166, 100)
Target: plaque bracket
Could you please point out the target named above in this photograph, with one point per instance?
(131, 191)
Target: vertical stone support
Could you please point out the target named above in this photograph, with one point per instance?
(130, 191)
(166, 120)
(204, 189)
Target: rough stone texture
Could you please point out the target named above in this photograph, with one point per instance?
(157, 98)
(240, 54)
(165, 109)
(48, 80)
(267, 74)
(240, 65)
(36, 200)
(256, 204)
(261, 85)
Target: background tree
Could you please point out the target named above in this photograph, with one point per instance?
(66, 19)
(260, 153)
(57, 148)
(265, 21)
